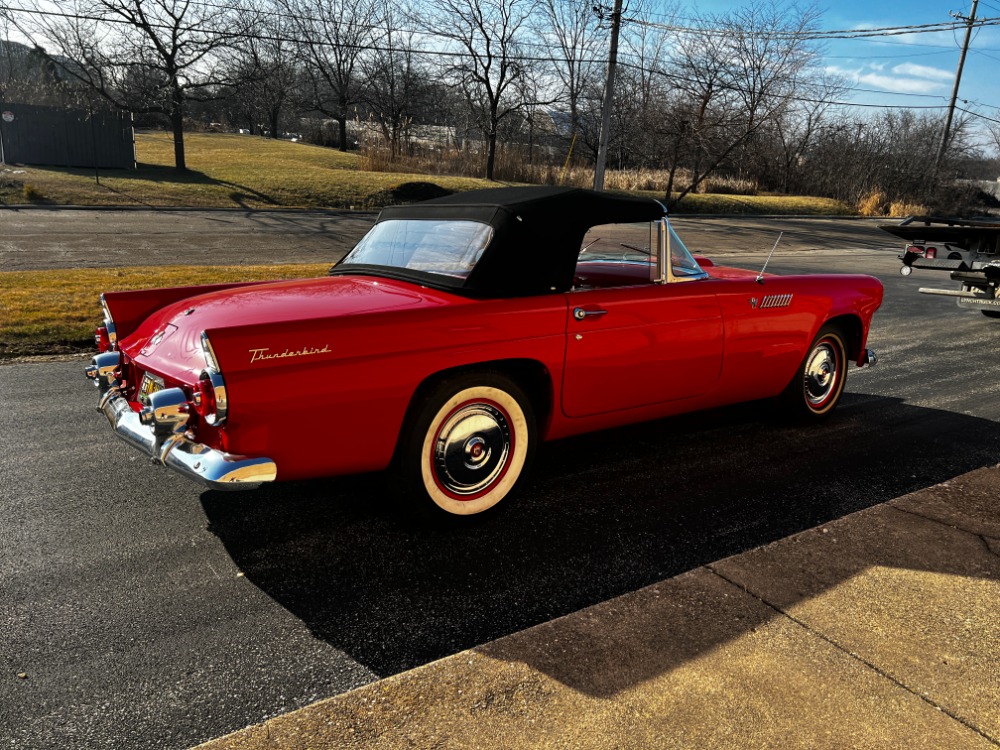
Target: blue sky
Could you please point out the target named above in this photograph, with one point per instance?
(911, 70)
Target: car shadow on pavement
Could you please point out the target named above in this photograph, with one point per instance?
(601, 515)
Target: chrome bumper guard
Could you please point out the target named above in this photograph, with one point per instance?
(159, 432)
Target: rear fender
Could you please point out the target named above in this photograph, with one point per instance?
(328, 395)
(129, 309)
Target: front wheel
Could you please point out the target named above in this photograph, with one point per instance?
(819, 382)
(470, 443)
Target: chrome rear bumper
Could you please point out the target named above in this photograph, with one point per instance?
(196, 461)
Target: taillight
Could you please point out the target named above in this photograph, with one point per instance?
(915, 249)
(204, 398)
(930, 252)
(102, 339)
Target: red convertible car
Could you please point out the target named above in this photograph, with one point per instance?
(458, 334)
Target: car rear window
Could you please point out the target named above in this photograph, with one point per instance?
(447, 247)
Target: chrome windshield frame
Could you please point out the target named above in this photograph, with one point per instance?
(663, 268)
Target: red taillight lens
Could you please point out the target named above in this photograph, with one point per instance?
(915, 249)
(102, 339)
(204, 397)
(931, 252)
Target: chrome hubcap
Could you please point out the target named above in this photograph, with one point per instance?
(472, 448)
(821, 374)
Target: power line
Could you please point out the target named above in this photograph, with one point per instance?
(829, 35)
(977, 114)
(885, 57)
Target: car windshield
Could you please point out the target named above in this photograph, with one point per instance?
(447, 247)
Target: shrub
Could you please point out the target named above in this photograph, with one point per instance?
(727, 186)
(904, 208)
(408, 192)
(873, 204)
(31, 193)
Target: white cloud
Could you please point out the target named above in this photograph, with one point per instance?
(901, 85)
(837, 70)
(905, 78)
(922, 71)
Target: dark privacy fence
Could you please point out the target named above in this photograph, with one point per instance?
(60, 137)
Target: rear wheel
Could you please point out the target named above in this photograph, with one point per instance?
(819, 382)
(470, 443)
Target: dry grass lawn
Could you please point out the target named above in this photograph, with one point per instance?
(242, 171)
(225, 171)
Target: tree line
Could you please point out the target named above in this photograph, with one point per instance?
(734, 101)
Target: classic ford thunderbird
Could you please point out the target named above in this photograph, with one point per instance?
(457, 335)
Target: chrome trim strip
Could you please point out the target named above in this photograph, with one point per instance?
(214, 372)
(662, 272)
(196, 461)
(109, 324)
(211, 361)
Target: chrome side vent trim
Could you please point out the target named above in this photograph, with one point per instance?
(776, 300)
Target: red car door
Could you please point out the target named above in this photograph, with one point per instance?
(640, 345)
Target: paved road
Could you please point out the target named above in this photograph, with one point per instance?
(32, 239)
(149, 614)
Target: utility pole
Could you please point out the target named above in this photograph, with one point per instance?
(609, 96)
(970, 21)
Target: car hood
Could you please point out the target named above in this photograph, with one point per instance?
(169, 341)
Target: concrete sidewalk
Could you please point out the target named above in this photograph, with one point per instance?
(881, 629)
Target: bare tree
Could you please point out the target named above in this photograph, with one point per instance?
(743, 69)
(490, 64)
(24, 73)
(334, 35)
(642, 92)
(698, 108)
(796, 128)
(145, 56)
(394, 84)
(575, 42)
(267, 66)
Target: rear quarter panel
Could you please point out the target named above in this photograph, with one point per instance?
(329, 396)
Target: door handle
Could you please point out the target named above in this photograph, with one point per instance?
(580, 314)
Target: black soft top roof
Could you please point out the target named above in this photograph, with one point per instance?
(537, 234)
